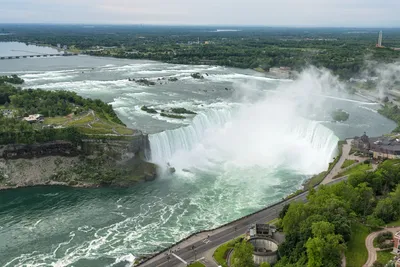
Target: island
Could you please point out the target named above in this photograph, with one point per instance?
(58, 137)
(340, 115)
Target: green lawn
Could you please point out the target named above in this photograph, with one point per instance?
(101, 124)
(347, 163)
(87, 130)
(357, 253)
(316, 179)
(395, 223)
(384, 256)
(361, 167)
(55, 120)
(221, 251)
(124, 131)
(197, 264)
(83, 120)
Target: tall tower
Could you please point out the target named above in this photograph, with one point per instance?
(380, 39)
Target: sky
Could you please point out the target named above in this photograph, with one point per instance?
(314, 13)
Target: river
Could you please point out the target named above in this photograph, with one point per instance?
(253, 141)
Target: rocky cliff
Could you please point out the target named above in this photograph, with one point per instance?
(91, 162)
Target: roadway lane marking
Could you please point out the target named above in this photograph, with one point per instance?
(179, 258)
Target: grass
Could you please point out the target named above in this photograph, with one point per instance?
(82, 120)
(124, 131)
(221, 252)
(358, 168)
(347, 163)
(197, 264)
(316, 179)
(384, 256)
(274, 221)
(87, 130)
(395, 223)
(357, 253)
(55, 120)
(100, 124)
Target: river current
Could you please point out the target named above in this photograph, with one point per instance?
(253, 141)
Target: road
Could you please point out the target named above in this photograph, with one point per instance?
(207, 240)
(369, 243)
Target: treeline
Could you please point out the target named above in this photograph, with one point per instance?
(392, 112)
(52, 103)
(14, 131)
(341, 50)
(317, 231)
(14, 79)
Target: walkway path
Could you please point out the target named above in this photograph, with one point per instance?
(369, 243)
(337, 168)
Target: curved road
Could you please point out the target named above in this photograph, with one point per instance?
(369, 243)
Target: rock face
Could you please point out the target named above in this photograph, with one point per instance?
(93, 162)
(57, 148)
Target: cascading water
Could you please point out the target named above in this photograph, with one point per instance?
(290, 141)
(165, 144)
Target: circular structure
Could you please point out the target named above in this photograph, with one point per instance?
(265, 250)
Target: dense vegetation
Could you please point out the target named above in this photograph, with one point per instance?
(317, 231)
(52, 103)
(340, 115)
(339, 49)
(14, 79)
(48, 103)
(392, 112)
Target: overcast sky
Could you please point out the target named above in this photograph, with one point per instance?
(359, 13)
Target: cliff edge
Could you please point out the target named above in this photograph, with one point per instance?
(89, 163)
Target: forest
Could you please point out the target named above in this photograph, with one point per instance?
(319, 231)
(23, 102)
(344, 51)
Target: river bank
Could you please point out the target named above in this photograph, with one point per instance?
(227, 147)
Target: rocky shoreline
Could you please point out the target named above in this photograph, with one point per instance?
(89, 164)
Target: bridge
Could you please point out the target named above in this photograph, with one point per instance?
(39, 55)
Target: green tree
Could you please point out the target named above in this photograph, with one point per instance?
(325, 248)
(243, 255)
(265, 264)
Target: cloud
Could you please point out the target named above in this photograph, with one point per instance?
(233, 12)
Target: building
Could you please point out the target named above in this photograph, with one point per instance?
(379, 44)
(7, 113)
(362, 143)
(396, 241)
(265, 247)
(384, 147)
(34, 118)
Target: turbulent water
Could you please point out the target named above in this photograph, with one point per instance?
(253, 141)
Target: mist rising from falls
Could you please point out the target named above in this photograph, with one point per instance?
(271, 133)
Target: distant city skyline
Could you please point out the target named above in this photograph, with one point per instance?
(309, 13)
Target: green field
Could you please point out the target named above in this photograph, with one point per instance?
(197, 264)
(385, 256)
(357, 253)
(347, 163)
(82, 120)
(56, 120)
(358, 168)
(395, 223)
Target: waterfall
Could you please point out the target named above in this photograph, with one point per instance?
(165, 144)
(269, 141)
